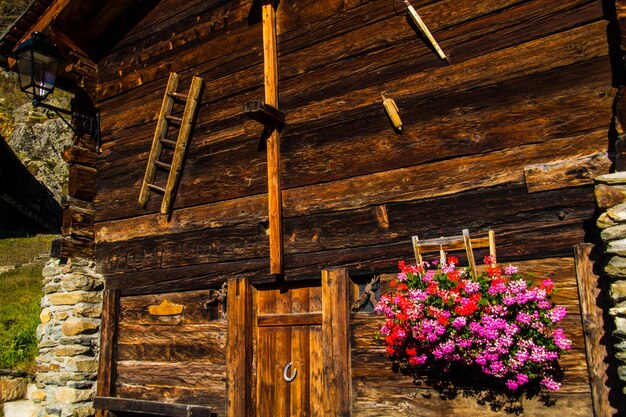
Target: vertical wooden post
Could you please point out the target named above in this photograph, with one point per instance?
(592, 321)
(336, 342)
(274, 191)
(108, 331)
(239, 348)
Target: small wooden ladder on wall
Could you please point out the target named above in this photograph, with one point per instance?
(179, 146)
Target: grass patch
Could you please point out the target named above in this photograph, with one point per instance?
(18, 251)
(20, 295)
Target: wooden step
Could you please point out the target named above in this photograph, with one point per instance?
(163, 165)
(178, 96)
(174, 119)
(156, 188)
(171, 143)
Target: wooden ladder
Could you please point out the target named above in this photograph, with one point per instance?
(179, 146)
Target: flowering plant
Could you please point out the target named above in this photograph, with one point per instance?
(496, 320)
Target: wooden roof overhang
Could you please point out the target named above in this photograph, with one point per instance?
(84, 31)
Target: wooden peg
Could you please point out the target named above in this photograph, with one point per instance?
(416, 250)
(492, 247)
(392, 111)
(469, 251)
(422, 27)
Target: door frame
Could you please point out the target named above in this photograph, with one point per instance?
(336, 363)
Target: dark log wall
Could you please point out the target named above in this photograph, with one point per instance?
(508, 135)
(529, 84)
(178, 358)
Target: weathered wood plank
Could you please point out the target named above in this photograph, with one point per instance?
(107, 362)
(567, 173)
(591, 304)
(336, 342)
(209, 393)
(435, 179)
(239, 348)
(378, 401)
(67, 247)
(82, 182)
(154, 408)
(78, 222)
(509, 210)
(372, 368)
(134, 310)
(322, 82)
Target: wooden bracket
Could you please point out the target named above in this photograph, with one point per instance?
(264, 113)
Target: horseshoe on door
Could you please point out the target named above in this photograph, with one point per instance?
(286, 370)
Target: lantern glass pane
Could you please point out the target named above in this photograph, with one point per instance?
(25, 71)
(44, 74)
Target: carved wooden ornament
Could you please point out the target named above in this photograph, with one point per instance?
(166, 308)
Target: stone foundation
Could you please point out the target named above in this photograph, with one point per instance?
(69, 339)
(610, 194)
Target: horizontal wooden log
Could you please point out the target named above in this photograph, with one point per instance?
(374, 401)
(72, 247)
(372, 367)
(78, 222)
(134, 310)
(174, 343)
(82, 182)
(568, 173)
(171, 374)
(319, 80)
(435, 179)
(78, 155)
(392, 28)
(507, 210)
(519, 244)
(206, 394)
(147, 103)
(154, 408)
(467, 129)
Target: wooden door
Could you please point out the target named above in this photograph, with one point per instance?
(289, 331)
(306, 326)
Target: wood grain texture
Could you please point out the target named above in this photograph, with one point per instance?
(336, 342)
(108, 339)
(591, 305)
(239, 348)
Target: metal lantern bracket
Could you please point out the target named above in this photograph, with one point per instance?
(89, 124)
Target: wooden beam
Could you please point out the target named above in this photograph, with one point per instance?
(46, 19)
(336, 342)
(69, 247)
(593, 325)
(108, 335)
(153, 408)
(239, 348)
(274, 186)
(264, 113)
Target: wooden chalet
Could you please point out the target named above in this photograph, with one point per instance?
(246, 143)
(27, 207)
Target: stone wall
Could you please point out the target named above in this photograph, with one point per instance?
(69, 339)
(610, 194)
